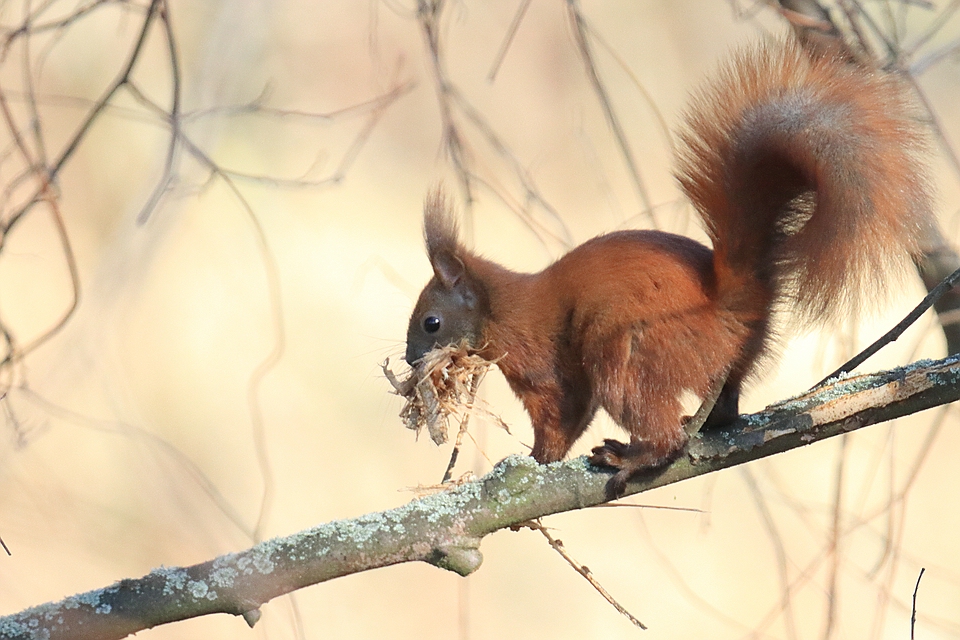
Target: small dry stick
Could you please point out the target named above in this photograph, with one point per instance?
(695, 423)
(913, 609)
(474, 385)
(579, 568)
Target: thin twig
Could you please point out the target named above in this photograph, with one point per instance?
(272, 273)
(651, 103)
(580, 30)
(557, 545)
(121, 81)
(913, 608)
(696, 422)
(945, 285)
(29, 26)
(508, 39)
(428, 15)
(452, 104)
(940, 20)
(169, 165)
(36, 123)
(779, 550)
(464, 424)
(74, 273)
(44, 194)
(377, 108)
(835, 537)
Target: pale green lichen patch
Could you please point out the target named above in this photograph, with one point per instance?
(754, 419)
(260, 558)
(27, 623)
(852, 382)
(927, 363)
(512, 477)
(174, 579)
(199, 590)
(222, 572)
(588, 472)
(91, 599)
(14, 629)
(444, 513)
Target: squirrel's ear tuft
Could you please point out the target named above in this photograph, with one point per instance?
(442, 235)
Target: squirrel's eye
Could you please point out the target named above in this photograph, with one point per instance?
(431, 324)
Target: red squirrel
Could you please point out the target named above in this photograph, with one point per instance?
(806, 173)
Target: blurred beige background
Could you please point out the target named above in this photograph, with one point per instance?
(129, 441)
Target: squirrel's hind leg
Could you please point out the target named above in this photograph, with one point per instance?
(657, 437)
(727, 408)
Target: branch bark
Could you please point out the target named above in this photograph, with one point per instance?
(445, 529)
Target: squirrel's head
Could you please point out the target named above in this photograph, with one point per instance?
(450, 308)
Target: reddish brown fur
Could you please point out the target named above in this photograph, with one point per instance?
(588, 332)
(805, 174)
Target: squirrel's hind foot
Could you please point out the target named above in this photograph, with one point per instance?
(630, 460)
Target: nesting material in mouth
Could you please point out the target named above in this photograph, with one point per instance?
(442, 383)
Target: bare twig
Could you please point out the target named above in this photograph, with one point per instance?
(651, 103)
(428, 14)
(122, 80)
(31, 26)
(454, 105)
(583, 570)
(890, 336)
(697, 420)
(271, 360)
(940, 20)
(581, 32)
(913, 608)
(464, 425)
(508, 39)
(18, 354)
(833, 594)
(780, 552)
(169, 165)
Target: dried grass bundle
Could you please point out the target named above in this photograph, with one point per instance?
(444, 382)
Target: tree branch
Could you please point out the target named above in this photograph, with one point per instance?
(445, 529)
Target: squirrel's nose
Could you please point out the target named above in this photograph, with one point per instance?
(413, 354)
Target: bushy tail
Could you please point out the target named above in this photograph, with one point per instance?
(807, 173)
